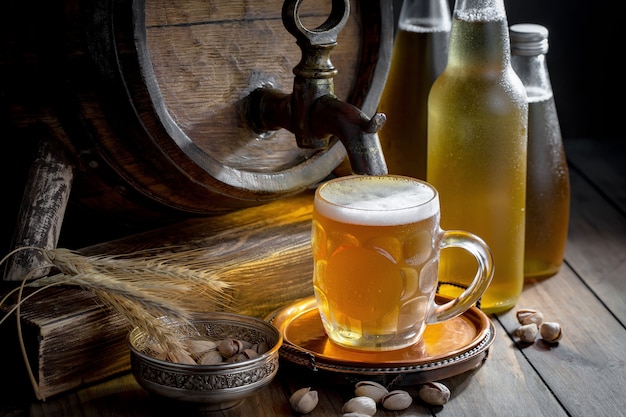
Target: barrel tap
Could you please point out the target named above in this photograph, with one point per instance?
(312, 112)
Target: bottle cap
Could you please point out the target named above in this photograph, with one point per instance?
(528, 39)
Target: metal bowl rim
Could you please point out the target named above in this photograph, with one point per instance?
(231, 318)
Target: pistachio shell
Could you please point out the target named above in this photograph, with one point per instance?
(371, 389)
(250, 353)
(550, 331)
(434, 393)
(230, 347)
(304, 400)
(362, 404)
(260, 348)
(527, 332)
(397, 400)
(528, 315)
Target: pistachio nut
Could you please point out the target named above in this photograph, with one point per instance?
(371, 389)
(260, 347)
(304, 400)
(551, 331)
(229, 347)
(361, 404)
(250, 353)
(434, 393)
(397, 400)
(246, 355)
(529, 315)
(527, 332)
(354, 414)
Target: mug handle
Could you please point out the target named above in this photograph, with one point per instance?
(479, 249)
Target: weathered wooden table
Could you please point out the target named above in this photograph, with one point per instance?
(583, 375)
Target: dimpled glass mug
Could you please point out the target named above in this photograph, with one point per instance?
(376, 242)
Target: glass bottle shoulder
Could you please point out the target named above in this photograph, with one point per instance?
(458, 85)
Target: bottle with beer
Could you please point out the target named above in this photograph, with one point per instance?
(420, 53)
(477, 149)
(547, 179)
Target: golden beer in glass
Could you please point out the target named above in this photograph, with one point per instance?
(376, 243)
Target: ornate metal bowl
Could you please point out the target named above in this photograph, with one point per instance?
(217, 386)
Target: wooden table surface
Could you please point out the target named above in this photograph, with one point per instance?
(583, 375)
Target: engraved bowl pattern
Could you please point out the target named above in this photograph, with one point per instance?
(217, 386)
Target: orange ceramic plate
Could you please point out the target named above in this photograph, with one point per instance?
(446, 349)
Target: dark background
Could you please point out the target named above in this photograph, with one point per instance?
(584, 63)
(584, 60)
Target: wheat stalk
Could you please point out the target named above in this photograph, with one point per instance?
(143, 287)
(159, 280)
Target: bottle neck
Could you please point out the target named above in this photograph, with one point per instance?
(428, 15)
(479, 36)
(529, 46)
(533, 71)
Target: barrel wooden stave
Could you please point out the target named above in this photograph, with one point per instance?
(144, 95)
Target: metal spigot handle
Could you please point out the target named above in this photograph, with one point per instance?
(326, 33)
(312, 111)
(315, 72)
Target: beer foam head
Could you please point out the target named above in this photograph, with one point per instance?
(376, 200)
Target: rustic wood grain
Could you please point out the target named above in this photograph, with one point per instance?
(41, 212)
(267, 247)
(596, 248)
(588, 366)
(602, 164)
(73, 340)
(206, 58)
(505, 385)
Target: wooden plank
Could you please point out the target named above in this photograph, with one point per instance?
(603, 163)
(73, 340)
(596, 245)
(124, 397)
(588, 367)
(200, 84)
(193, 12)
(267, 247)
(42, 209)
(505, 380)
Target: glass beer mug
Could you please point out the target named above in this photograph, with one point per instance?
(376, 242)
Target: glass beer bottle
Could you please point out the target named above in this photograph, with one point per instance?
(477, 144)
(547, 179)
(420, 53)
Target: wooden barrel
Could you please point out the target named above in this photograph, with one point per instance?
(144, 96)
